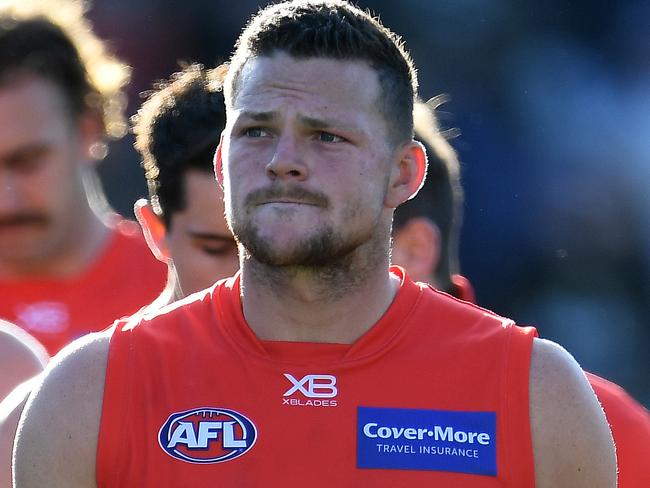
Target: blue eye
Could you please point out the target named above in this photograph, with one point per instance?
(255, 132)
(328, 137)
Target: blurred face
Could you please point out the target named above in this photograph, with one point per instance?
(41, 155)
(306, 160)
(198, 240)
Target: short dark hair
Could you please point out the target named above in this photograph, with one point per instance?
(337, 30)
(52, 39)
(178, 128)
(441, 197)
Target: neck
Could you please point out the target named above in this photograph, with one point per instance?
(333, 304)
(171, 293)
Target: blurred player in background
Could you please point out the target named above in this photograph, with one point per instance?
(426, 228)
(177, 131)
(68, 265)
(425, 241)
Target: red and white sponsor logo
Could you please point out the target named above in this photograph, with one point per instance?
(44, 317)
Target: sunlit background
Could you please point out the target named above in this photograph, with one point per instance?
(552, 100)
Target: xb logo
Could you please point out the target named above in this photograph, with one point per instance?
(313, 386)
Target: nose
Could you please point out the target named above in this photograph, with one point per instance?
(287, 162)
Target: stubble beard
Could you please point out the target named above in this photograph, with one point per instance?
(337, 260)
(336, 264)
(325, 248)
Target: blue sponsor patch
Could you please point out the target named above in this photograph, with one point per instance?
(431, 440)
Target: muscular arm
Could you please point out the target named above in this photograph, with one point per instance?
(57, 437)
(571, 439)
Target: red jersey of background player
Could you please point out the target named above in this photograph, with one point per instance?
(125, 277)
(630, 424)
(434, 394)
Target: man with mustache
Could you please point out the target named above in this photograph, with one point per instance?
(68, 264)
(317, 364)
(177, 131)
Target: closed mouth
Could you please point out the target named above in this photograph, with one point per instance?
(287, 201)
(290, 196)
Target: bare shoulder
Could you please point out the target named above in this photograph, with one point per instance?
(21, 357)
(571, 439)
(57, 436)
(10, 409)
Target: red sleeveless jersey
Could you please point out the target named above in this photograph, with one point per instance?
(630, 424)
(124, 277)
(434, 394)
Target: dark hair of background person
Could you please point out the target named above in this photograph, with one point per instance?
(52, 39)
(168, 144)
(441, 196)
(337, 30)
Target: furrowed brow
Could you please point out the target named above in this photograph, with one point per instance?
(258, 116)
(315, 123)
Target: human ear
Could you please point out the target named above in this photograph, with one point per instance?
(416, 247)
(91, 135)
(407, 174)
(153, 228)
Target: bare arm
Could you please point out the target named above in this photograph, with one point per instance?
(10, 409)
(571, 439)
(57, 436)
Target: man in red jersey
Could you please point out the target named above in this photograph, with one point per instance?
(426, 229)
(425, 242)
(177, 131)
(316, 364)
(68, 266)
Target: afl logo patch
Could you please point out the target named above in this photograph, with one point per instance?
(207, 435)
